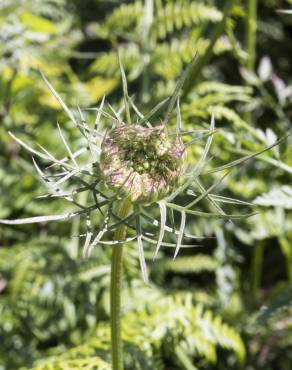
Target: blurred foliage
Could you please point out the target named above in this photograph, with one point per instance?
(226, 306)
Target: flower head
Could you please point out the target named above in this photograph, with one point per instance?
(141, 162)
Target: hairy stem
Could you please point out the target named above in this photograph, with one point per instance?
(115, 291)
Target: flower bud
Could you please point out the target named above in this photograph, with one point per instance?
(141, 163)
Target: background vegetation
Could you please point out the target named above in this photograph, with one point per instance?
(226, 305)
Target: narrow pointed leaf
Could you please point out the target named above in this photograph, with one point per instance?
(162, 226)
(177, 90)
(59, 99)
(171, 218)
(67, 177)
(211, 200)
(171, 230)
(40, 219)
(220, 198)
(115, 242)
(181, 232)
(125, 90)
(206, 192)
(198, 168)
(139, 114)
(47, 182)
(102, 112)
(208, 214)
(201, 136)
(118, 118)
(52, 158)
(141, 251)
(178, 119)
(28, 148)
(94, 132)
(67, 146)
(83, 126)
(123, 221)
(153, 111)
(86, 253)
(171, 245)
(247, 157)
(63, 162)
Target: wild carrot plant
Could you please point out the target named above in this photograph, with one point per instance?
(131, 168)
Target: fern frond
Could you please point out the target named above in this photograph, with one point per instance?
(87, 363)
(280, 304)
(123, 19)
(177, 15)
(277, 197)
(191, 264)
(172, 322)
(169, 58)
(107, 63)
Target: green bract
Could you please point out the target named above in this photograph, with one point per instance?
(140, 162)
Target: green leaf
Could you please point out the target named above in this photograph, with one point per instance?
(177, 90)
(181, 232)
(277, 197)
(162, 208)
(141, 251)
(67, 146)
(247, 157)
(125, 90)
(40, 219)
(37, 23)
(153, 111)
(207, 192)
(59, 99)
(199, 166)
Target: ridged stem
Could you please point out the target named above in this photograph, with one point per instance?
(115, 291)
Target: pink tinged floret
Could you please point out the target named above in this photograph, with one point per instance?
(178, 149)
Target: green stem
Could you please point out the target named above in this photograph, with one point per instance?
(250, 38)
(287, 251)
(115, 291)
(257, 269)
(250, 41)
